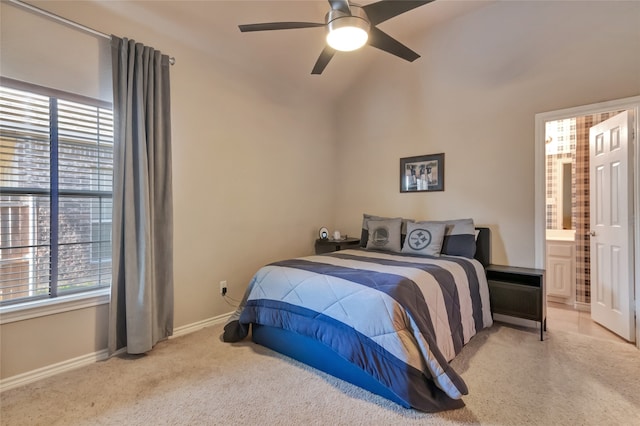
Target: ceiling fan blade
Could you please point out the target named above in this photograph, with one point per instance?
(267, 26)
(323, 60)
(383, 10)
(383, 41)
(341, 5)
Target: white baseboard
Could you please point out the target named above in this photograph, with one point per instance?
(190, 328)
(52, 370)
(581, 306)
(101, 355)
(562, 300)
(516, 321)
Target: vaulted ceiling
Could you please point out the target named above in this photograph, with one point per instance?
(285, 55)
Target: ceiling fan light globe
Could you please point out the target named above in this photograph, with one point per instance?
(347, 38)
(347, 32)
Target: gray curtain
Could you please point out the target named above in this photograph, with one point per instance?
(141, 311)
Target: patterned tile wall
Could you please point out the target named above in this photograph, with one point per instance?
(583, 264)
(560, 148)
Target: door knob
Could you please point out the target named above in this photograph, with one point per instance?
(592, 233)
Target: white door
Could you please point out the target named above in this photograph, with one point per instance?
(611, 185)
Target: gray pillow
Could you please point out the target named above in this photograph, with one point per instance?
(424, 238)
(384, 234)
(364, 236)
(459, 238)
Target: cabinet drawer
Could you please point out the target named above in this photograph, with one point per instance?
(560, 250)
(520, 300)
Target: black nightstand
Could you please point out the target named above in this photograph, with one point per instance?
(518, 292)
(329, 245)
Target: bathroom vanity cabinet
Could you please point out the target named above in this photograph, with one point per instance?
(561, 269)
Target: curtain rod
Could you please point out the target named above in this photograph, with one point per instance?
(68, 22)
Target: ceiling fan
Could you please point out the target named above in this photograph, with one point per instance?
(350, 26)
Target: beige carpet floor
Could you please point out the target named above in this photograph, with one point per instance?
(513, 379)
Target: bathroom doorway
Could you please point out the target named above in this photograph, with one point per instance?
(563, 205)
(565, 145)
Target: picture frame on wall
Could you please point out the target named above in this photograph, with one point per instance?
(422, 173)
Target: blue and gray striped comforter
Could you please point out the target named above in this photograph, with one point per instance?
(399, 318)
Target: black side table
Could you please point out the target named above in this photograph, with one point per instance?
(518, 292)
(329, 245)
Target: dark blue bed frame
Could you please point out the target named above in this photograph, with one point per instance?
(317, 355)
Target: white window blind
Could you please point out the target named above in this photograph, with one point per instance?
(56, 168)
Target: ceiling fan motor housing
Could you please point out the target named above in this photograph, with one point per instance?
(360, 18)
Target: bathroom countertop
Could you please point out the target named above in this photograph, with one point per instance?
(561, 235)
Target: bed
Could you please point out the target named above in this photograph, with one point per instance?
(385, 320)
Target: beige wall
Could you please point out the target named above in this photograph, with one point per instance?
(473, 95)
(39, 342)
(247, 188)
(41, 51)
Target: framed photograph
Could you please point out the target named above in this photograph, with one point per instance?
(423, 173)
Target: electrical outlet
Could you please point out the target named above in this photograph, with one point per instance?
(223, 287)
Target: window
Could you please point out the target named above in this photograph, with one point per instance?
(56, 173)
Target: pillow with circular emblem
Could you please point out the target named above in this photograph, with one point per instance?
(364, 236)
(424, 238)
(384, 234)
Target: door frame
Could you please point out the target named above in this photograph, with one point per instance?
(632, 104)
